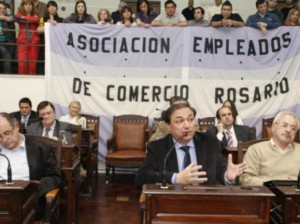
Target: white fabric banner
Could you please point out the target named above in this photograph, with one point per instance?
(115, 70)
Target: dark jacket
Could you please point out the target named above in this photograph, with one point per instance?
(208, 155)
(36, 128)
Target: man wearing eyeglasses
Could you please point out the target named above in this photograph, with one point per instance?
(30, 160)
(276, 159)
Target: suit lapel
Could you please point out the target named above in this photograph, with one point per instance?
(40, 129)
(56, 129)
(31, 156)
(200, 152)
(172, 162)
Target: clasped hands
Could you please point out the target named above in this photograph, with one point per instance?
(192, 174)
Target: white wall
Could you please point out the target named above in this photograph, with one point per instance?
(14, 87)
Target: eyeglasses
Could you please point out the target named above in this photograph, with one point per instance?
(6, 134)
(286, 125)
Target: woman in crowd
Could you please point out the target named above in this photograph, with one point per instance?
(126, 14)
(144, 16)
(292, 18)
(7, 39)
(28, 38)
(80, 15)
(74, 116)
(104, 16)
(50, 17)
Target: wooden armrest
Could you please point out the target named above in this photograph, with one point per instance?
(142, 198)
(52, 193)
(110, 143)
(95, 141)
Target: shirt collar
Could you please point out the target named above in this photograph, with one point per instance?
(191, 144)
(52, 127)
(282, 151)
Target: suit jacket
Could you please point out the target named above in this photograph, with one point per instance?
(242, 132)
(42, 165)
(208, 155)
(36, 128)
(33, 116)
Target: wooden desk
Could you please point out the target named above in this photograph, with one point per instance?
(233, 151)
(18, 202)
(207, 204)
(286, 207)
(70, 167)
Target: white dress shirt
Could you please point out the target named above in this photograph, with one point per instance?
(18, 161)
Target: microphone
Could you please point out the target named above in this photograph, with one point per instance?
(9, 175)
(164, 182)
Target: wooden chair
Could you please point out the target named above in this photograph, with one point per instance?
(53, 196)
(93, 123)
(267, 127)
(243, 146)
(253, 132)
(206, 123)
(127, 147)
(76, 135)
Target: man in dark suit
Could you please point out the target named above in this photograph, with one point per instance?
(194, 157)
(227, 132)
(49, 126)
(30, 160)
(25, 115)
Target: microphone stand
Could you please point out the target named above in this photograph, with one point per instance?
(9, 175)
(164, 184)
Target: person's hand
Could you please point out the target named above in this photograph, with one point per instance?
(53, 22)
(227, 22)
(290, 178)
(146, 25)
(263, 30)
(233, 170)
(262, 24)
(191, 175)
(127, 24)
(220, 127)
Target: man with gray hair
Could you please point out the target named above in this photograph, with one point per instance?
(276, 159)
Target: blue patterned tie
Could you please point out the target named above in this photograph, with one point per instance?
(187, 157)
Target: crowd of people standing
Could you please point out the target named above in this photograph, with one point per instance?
(32, 14)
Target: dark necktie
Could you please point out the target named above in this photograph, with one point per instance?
(47, 132)
(187, 157)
